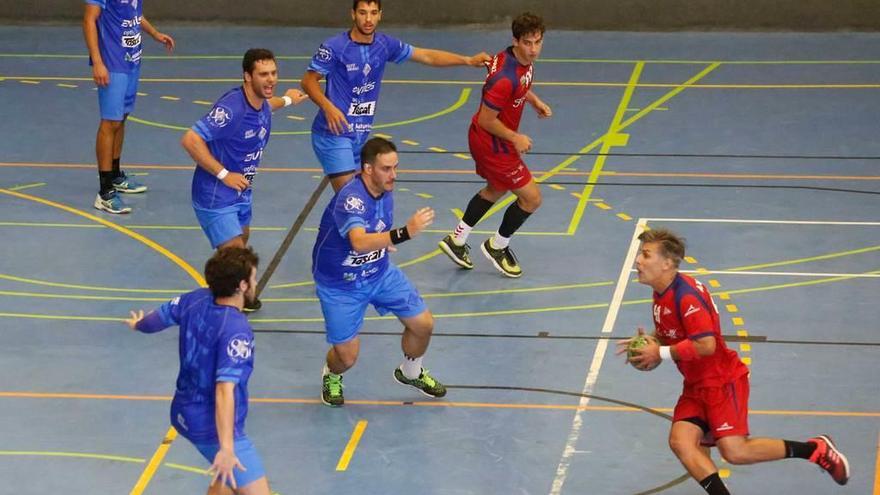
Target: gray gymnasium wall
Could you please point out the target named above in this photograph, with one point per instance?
(795, 15)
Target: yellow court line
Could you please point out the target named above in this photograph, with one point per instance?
(154, 463)
(27, 186)
(81, 297)
(806, 260)
(607, 144)
(356, 435)
(80, 455)
(877, 469)
(743, 176)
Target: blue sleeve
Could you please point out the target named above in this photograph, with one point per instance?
(99, 3)
(398, 51)
(221, 122)
(165, 316)
(324, 60)
(235, 349)
(349, 212)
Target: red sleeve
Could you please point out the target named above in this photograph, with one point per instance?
(695, 317)
(498, 93)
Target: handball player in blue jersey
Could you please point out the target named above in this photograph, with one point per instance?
(216, 360)
(352, 270)
(227, 145)
(353, 63)
(112, 30)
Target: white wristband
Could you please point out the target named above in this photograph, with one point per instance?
(222, 174)
(287, 100)
(665, 352)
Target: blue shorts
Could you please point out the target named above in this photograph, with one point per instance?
(116, 100)
(248, 456)
(344, 309)
(223, 224)
(338, 154)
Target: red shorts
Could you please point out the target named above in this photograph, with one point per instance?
(724, 410)
(503, 171)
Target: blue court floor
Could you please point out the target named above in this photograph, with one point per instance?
(761, 149)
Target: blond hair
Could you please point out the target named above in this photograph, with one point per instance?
(671, 245)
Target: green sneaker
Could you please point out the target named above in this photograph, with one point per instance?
(425, 383)
(503, 259)
(460, 255)
(331, 392)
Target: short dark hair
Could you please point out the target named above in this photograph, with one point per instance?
(354, 3)
(228, 267)
(375, 147)
(254, 55)
(672, 246)
(527, 23)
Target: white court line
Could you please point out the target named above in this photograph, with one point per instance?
(598, 357)
(784, 222)
(780, 274)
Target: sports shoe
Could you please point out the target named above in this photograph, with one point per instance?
(425, 383)
(128, 185)
(331, 392)
(251, 306)
(503, 259)
(460, 255)
(830, 459)
(112, 204)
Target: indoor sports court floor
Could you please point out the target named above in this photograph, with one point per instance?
(761, 149)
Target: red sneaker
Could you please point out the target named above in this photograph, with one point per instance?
(830, 459)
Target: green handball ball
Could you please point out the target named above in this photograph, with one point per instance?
(638, 342)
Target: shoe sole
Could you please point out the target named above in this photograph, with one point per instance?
(496, 265)
(426, 394)
(840, 454)
(455, 259)
(131, 191)
(114, 212)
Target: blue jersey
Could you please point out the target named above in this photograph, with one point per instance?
(354, 75)
(119, 33)
(216, 345)
(334, 262)
(236, 134)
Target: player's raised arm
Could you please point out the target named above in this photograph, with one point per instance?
(440, 58)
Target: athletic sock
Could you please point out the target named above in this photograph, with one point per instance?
(411, 367)
(105, 180)
(800, 450)
(476, 209)
(713, 485)
(514, 217)
(499, 241)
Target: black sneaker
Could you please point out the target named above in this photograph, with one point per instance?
(331, 392)
(460, 255)
(503, 259)
(425, 383)
(251, 306)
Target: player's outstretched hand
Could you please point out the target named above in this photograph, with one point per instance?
(296, 95)
(421, 219)
(135, 318)
(166, 40)
(481, 59)
(336, 120)
(221, 470)
(522, 143)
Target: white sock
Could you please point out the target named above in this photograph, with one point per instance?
(499, 242)
(411, 367)
(326, 371)
(461, 233)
